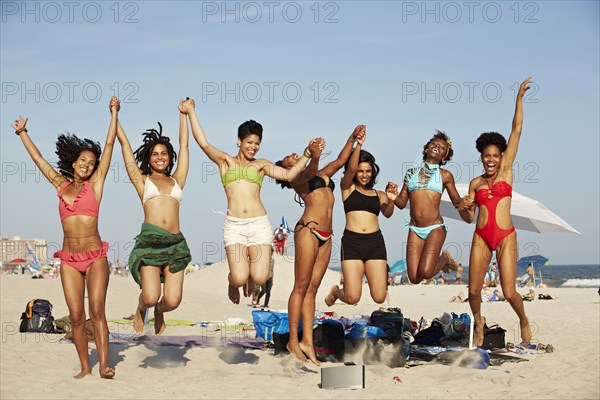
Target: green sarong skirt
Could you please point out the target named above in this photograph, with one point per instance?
(157, 247)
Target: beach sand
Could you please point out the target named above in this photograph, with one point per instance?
(38, 366)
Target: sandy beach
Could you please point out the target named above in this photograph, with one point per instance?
(39, 366)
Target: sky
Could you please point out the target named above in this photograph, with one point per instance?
(306, 69)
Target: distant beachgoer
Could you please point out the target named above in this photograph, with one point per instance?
(265, 289)
(363, 247)
(491, 192)
(423, 187)
(80, 183)
(160, 254)
(247, 232)
(312, 240)
(530, 280)
(459, 272)
(280, 237)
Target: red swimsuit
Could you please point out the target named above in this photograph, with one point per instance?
(491, 232)
(84, 204)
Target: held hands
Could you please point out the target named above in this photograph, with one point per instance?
(391, 190)
(316, 146)
(360, 134)
(114, 105)
(186, 105)
(524, 86)
(466, 204)
(19, 124)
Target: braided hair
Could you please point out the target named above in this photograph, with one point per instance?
(152, 137)
(68, 149)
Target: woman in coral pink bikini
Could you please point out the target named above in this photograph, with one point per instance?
(491, 192)
(83, 256)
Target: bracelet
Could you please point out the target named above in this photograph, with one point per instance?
(352, 140)
(307, 153)
(18, 131)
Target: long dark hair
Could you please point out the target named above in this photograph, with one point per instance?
(68, 149)
(365, 156)
(152, 137)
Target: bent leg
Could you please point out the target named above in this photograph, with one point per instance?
(97, 277)
(414, 248)
(239, 270)
(172, 294)
(431, 263)
(150, 278)
(376, 272)
(73, 284)
(259, 257)
(353, 272)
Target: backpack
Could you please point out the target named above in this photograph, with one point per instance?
(329, 341)
(391, 321)
(37, 317)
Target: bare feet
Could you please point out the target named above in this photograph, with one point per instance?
(296, 351)
(159, 320)
(526, 332)
(138, 319)
(234, 294)
(84, 372)
(309, 352)
(479, 330)
(332, 296)
(107, 373)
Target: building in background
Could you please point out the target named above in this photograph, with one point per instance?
(16, 247)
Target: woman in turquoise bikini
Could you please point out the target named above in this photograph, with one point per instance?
(423, 187)
(247, 233)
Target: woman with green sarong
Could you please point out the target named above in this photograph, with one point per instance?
(160, 254)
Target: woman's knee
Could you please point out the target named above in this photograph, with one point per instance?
(378, 297)
(149, 299)
(77, 318)
(171, 303)
(97, 311)
(352, 298)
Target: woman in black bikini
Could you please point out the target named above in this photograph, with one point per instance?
(363, 247)
(312, 240)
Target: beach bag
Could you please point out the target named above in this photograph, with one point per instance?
(329, 341)
(493, 337)
(268, 322)
(390, 320)
(363, 331)
(37, 317)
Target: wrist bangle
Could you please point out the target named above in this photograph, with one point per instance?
(352, 140)
(18, 131)
(307, 153)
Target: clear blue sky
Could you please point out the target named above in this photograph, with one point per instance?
(306, 69)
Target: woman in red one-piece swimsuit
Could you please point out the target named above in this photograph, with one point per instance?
(491, 192)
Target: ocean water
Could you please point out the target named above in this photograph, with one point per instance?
(578, 276)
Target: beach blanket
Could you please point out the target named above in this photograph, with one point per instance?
(157, 247)
(183, 341)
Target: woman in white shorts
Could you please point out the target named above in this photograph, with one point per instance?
(247, 232)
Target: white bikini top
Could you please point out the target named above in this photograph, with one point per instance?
(151, 191)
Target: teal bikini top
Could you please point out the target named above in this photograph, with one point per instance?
(427, 177)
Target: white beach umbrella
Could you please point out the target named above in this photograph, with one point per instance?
(527, 214)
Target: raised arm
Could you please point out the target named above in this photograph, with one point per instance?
(346, 182)
(282, 174)
(217, 156)
(515, 135)
(133, 171)
(99, 176)
(47, 170)
(315, 147)
(183, 159)
(334, 166)
(402, 198)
